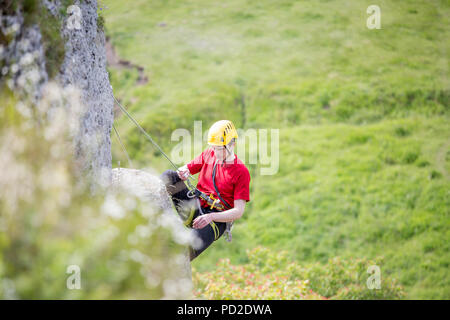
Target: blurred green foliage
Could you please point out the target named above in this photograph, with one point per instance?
(364, 153)
(363, 118)
(49, 219)
(271, 275)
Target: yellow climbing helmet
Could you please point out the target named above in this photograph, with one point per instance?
(221, 133)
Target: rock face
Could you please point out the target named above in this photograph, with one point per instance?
(142, 184)
(22, 56)
(23, 62)
(150, 188)
(85, 67)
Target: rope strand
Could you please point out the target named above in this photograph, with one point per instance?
(148, 137)
(123, 147)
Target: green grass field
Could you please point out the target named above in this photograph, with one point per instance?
(363, 117)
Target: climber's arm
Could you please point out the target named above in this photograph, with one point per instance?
(232, 214)
(223, 216)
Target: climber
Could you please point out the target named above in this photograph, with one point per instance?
(223, 177)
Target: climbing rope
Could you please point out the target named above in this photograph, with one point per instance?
(122, 146)
(191, 187)
(144, 132)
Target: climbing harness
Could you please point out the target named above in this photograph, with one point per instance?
(190, 216)
(213, 225)
(210, 200)
(193, 191)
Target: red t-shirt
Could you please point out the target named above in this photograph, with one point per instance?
(232, 179)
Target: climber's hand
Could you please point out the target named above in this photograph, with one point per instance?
(183, 172)
(202, 221)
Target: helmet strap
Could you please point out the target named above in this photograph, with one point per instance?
(228, 154)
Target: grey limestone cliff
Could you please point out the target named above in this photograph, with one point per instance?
(49, 41)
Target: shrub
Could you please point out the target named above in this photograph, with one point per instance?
(270, 275)
(50, 221)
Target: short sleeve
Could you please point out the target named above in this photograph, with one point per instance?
(242, 186)
(196, 164)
